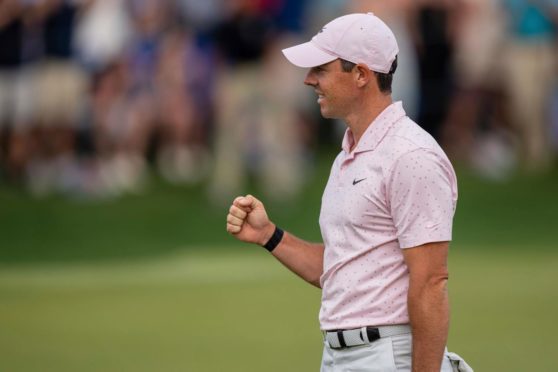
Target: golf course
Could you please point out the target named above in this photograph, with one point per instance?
(152, 282)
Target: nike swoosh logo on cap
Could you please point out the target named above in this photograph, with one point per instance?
(355, 181)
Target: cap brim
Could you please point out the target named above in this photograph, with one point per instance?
(307, 55)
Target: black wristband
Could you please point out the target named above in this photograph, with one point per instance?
(274, 240)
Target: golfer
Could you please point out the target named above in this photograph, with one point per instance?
(386, 214)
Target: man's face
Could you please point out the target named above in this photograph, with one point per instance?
(335, 89)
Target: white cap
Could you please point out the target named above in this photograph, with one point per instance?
(358, 38)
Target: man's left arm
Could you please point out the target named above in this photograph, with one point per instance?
(428, 304)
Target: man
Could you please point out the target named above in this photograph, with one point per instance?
(386, 213)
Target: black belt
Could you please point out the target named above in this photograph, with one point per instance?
(339, 339)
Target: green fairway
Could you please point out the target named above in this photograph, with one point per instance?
(241, 311)
(504, 309)
(190, 312)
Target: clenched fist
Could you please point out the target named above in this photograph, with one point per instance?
(247, 220)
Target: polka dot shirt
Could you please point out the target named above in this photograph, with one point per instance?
(395, 190)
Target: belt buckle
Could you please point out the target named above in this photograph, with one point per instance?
(372, 333)
(338, 340)
(342, 339)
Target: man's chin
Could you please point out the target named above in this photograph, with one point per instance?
(328, 115)
(325, 113)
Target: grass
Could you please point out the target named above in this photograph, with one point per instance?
(504, 309)
(518, 214)
(185, 312)
(241, 311)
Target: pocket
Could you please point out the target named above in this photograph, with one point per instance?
(374, 357)
(457, 363)
(402, 351)
(327, 359)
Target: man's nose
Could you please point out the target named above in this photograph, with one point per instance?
(310, 79)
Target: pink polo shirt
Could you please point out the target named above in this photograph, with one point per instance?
(395, 190)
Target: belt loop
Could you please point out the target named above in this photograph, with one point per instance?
(364, 335)
(341, 338)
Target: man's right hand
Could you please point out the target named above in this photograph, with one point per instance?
(247, 220)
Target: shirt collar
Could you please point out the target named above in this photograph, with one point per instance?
(376, 131)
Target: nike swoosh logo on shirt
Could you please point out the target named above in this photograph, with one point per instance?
(355, 181)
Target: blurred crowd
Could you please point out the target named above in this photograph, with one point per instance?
(96, 94)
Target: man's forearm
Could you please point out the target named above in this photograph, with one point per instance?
(303, 258)
(247, 220)
(429, 316)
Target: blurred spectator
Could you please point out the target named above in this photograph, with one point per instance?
(133, 118)
(256, 125)
(151, 101)
(16, 91)
(60, 90)
(434, 29)
(291, 16)
(102, 32)
(529, 65)
(477, 130)
(152, 83)
(322, 11)
(181, 71)
(108, 117)
(201, 15)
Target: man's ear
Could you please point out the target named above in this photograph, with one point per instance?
(362, 75)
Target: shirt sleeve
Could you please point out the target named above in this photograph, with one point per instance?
(422, 192)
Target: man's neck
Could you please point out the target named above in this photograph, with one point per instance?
(359, 120)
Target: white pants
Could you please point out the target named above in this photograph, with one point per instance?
(387, 354)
